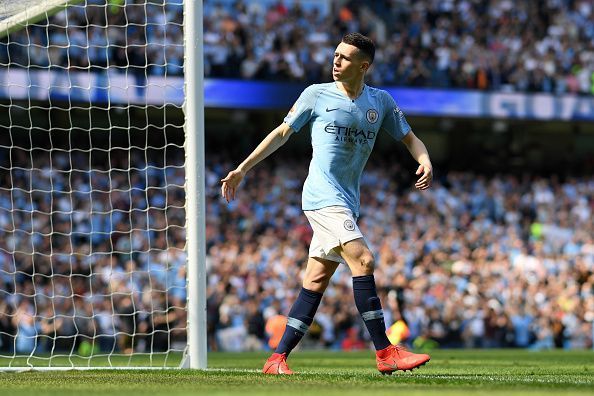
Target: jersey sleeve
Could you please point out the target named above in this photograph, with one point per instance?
(394, 121)
(302, 111)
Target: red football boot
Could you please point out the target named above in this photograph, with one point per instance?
(396, 357)
(277, 365)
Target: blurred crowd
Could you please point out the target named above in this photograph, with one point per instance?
(92, 259)
(476, 261)
(95, 258)
(138, 37)
(502, 45)
(498, 45)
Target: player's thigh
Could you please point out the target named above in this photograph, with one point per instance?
(318, 273)
(358, 256)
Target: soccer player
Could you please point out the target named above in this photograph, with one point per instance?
(344, 117)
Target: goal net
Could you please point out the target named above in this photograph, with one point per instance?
(92, 201)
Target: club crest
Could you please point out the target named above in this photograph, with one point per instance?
(349, 225)
(372, 116)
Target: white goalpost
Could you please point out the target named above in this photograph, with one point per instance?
(195, 186)
(102, 185)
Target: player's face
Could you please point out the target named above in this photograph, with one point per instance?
(348, 63)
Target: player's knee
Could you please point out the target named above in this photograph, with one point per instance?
(316, 282)
(366, 264)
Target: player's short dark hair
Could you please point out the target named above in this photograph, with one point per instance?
(364, 43)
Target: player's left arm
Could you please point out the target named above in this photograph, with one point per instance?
(419, 152)
(396, 125)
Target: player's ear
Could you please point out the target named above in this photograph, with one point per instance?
(365, 65)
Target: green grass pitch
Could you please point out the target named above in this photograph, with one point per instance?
(321, 373)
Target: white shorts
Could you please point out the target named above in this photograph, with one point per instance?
(331, 226)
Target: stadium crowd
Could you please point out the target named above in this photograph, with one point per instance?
(499, 45)
(91, 259)
(138, 37)
(474, 262)
(544, 46)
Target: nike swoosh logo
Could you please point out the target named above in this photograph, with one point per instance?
(329, 110)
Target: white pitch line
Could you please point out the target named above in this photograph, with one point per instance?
(503, 378)
(233, 370)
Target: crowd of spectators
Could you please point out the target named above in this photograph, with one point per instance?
(138, 37)
(97, 256)
(537, 46)
(92, 258)
(497, 45)
(476, 261)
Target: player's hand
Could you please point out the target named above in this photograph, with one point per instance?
(230, 184)
(426, 178)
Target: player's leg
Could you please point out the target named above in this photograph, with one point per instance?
(318, 273)
(317, 276)
(361, 263)
(389, 358)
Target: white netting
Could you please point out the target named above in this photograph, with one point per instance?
(92, 238)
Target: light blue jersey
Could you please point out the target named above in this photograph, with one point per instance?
(343, 132)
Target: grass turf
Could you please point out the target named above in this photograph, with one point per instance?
(450, 372)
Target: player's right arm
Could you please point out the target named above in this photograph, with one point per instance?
(269, 145)
(298, 116)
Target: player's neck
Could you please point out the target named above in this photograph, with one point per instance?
(352, 89)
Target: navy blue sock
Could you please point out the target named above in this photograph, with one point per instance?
(299, 320)
(370, 308)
